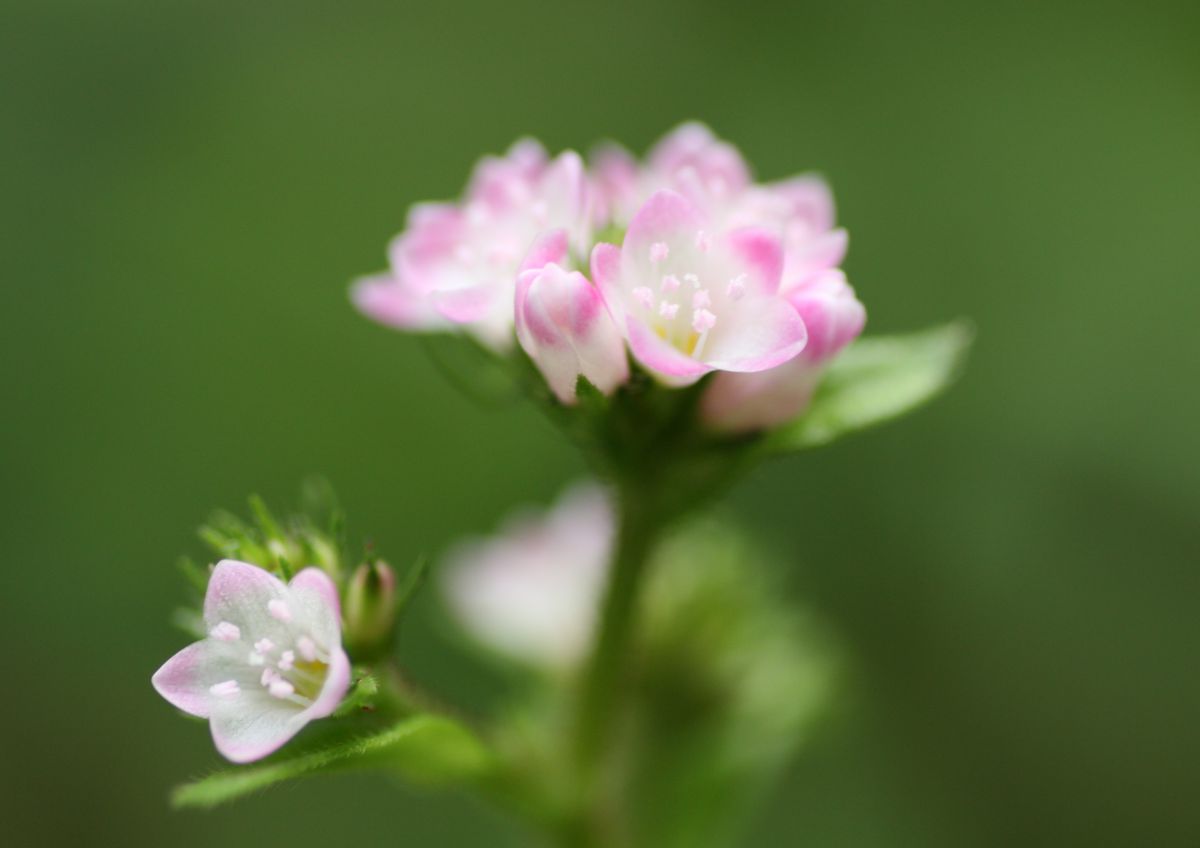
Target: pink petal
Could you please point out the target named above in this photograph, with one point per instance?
(693, 147)
(808, 199)
(659, 356)
(182, 682)
(239, 593)
(319, 583)
(761, 254)
(243, 735)
(755, 333)
(754, 401)
(550, 246)
(812, 256)
(831, 312)
(385, 299)
(606, 274)
(665, 217)
(337, 684)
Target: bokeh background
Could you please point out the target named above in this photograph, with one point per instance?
(188, 187)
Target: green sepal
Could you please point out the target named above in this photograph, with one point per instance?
(875, 380)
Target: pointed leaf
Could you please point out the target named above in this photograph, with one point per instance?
(426, 749)
(876, 380)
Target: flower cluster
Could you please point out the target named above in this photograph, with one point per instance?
(697, 269)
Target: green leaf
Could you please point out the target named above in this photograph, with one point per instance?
(876, 380)
(425, 749)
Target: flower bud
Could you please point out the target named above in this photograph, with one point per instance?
(370, 609)
(563, 325)
(833, 317)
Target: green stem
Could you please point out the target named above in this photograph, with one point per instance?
(605, 677)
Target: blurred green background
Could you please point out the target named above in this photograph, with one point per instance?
(188, 187)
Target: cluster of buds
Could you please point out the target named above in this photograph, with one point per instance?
(680, 260)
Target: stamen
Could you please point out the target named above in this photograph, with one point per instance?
(703, 242)
(226, 632)
(701, 299)
(280, 688)
(225, 689)
(737, 287)
(307, 648)
(693, 279)
(255, 658)
(286, 659)
(670, 283)
(668, 310)
(659, 251)
(279, 610)
(264, 646)
(703, 321)
(644, 296)
(268, 675)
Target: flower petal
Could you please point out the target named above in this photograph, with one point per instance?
(665, 217)
(317, 597)
(760, 253)
(812, 256)
(337, 683)
(239, 593)
(808, 199)
(182, 682)
(550, 246)
(254, 726)
(755, 401)
(660, 357)
(384, 298)
(755, 333)
(606, 274)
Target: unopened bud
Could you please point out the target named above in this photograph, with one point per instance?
(370, 609)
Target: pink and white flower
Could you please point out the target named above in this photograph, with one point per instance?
(712, 174)
(564, 326)
(531, 591)
(691, 298)
(455, 265)
(272, 661)
(834, 317)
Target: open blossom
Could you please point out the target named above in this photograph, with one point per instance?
(456, 264)
(272, 661)
(531, 591)
(834, 318)
(564, 326)
(692, 299)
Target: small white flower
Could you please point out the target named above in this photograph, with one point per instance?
(250, 613)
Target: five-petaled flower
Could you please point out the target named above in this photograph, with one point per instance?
(691, 299)
(272, 661)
